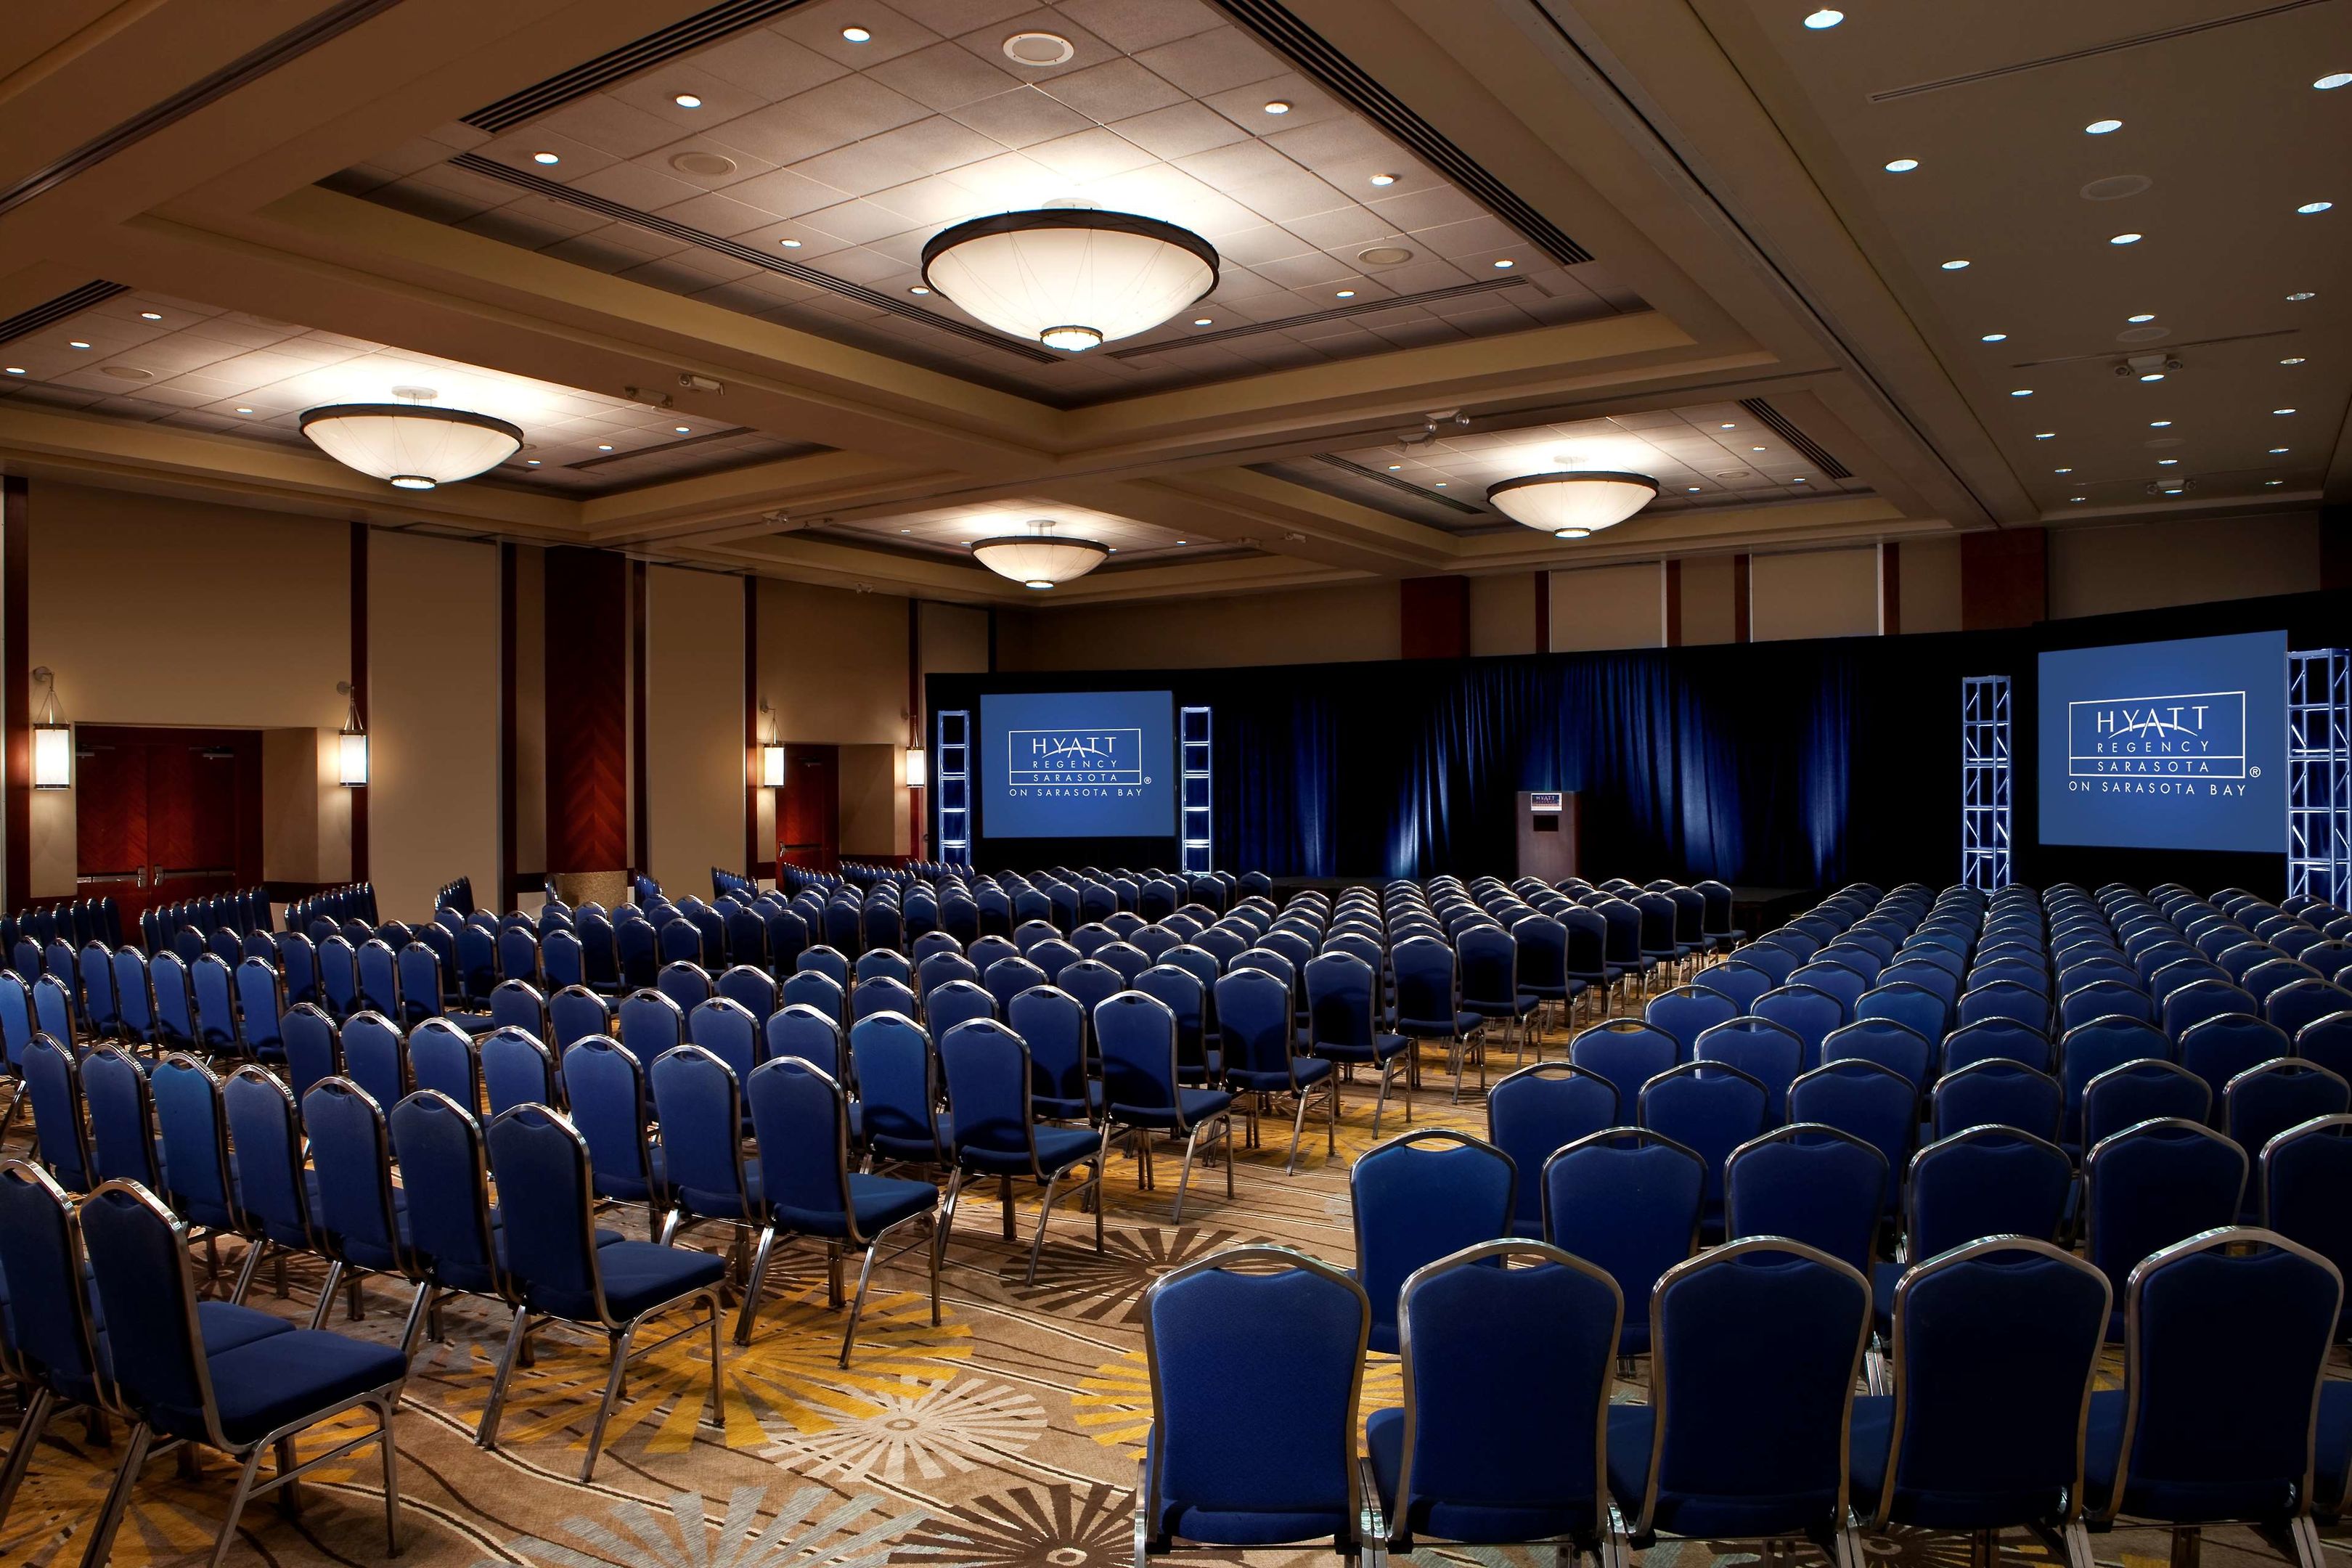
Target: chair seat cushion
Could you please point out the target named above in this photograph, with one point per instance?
(1711, 1516)
(640, 1276)
(629, 1189)
(1473, 1522)
(1305, 1071)
(1059, 1148)
(1381, 1048)
(267, 1383)
(1437, 1028)
(2172, 1501)
(1872, 1430)
(1198, 1105)
(1526, 1005)
(225, 1326)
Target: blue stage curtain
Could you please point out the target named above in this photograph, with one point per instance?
(1274, 767)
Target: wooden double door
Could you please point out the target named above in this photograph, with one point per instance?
(163, 814)
(808, 809)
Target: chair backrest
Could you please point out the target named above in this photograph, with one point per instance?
(541, 1164)
(517, 1068)
(651, 1023)
(52, 1339)
(801, 1116)
(1534, 1113)
(699, 1101)
(1303, 1328)
(576, 1014)
(2303, 1172)
(2219, 1048)
(122, 1118)
(423, 981)
(1755, 1349)
(805, 1033)
(1687, 1011)
(728, 1031)
(1809, 1182)
(1628, 1053)
(1769, 1052)
(986, 1066)
(352, 1154)
(517, 1004)
(1995, 1039)
(898, 1086)
(2090, 1049)
(441, 1058)
(146, 1290)
(1710, 1107)
(2153, 1184)
(2259, 1103)
(2245, 1440)
(1628, 1199)
(1869, 1099)
(272, 1183)
(1997, 1091)
(1137, 1037)
(1052, 1023)
(1986, 1180)
(815, 988)
(445, 1182)
(1419, 1197)
(1996, 1344)
(1508, 1372)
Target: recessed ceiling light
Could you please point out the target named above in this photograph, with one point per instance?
(2062, 470)
(2102, 127)
(16, 370)
(1902, 165)
(1995, 337)
(2045, 435)
(2299, 296)
(790, 244)
(1823, 19)
(2023, 391)
(75, 343)
(1184, 542)
(683, 430)
(686, 101)
(2277, 451)
(150, 315)
(1955, 264)
(545, 158)
(2333, 80)
(245, 411)
(2282, 410)
(2274, 481)
(1396, 467)
(906, 531)
(1694, 489)
(2078, 498)
(1279, 106)
(2314, 207)
(857, 35)
(2143, 316)
(2153, 375)
(2159, 424)
(1727, 425)
(530, 462)
(603, 445)
(1755, 448)
(1202, 321)
(1384, 179)
(2292, 359)
(2124, 239)
(1344, 294)
(1505, 265)
(919, 289)
(2167, 462)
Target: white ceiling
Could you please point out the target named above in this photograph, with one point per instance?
(950, 528)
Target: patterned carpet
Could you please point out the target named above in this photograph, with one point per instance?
(1005, 1438)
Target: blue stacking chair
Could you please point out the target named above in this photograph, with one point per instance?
(1868, 1099)
(753, 989)
(1052, 1024)
(194, 1128)
(1738, 981)
(2219, 1048)
(804, 1122)
(2182, 1447)
(1772, 1054)
(990, 1081)
(1503, 1435)
(1755, 1349)
(222, 1377)
(121, 1120)
(604, 1088)
(2105, 999)
(135, 996)
(2090, 1049)
(1979, 1182)
(1343, 1027)
(1253, 1023)
(1909, 1004)
(339, 976)
(517, 1068)
(2151, 1185)
(1489, 959)
(808, 1034)
(1302, 1328)
(273, 1185)
(559, 1274)
(698, 1102)
(362, 1218)
(728, 1031)
(1996, 1039)
(957, 1000)
(1535, 1111)
(1630, 1200)
(2257, 1105)
(95, 974)
(2142, 1091)
(1710, 1109)
(2303, 1172)
(883, 963)
(576, 1014)
(684, 981)
(1998, 1092)
(1811, 1184)
(898, 1072)
(379, 978)
(441, 1058)
(1995, 1342)
(2200, 1000)
(563, 960)
(1419, 1197)
(517, 1004)
(52, 1352)
(650, 1024)
(1687, 1011)
(1845, 985)
(1142, 1093)
(1627, 1053)
(1429, 1003)
(375, 1058)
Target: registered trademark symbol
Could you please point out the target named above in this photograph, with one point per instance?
(2254, 772)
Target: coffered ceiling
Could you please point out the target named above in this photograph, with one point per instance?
(574, 215)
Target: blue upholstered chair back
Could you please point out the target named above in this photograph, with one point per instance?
(441, 1059)
(517, 1069)
(1537, 1110)
(441, 1175)
(1709, 1107)
(52, 1339)
(651, 1023)
(2142, 1090)
(122, 1118)
(2155, 1184)
(802, 1115)
(139, 1265)
(1628, 1054)
(1137, 1034)
(986, 1066)
(699, 1101)
(1629, 1200)
(1686, 1011)
(195, 1142)
(1868, 1099)
(1053, 1024)
(375, 1057)
(898, 1086)
(517, 1004)
(272, 1183)
(684, 981)
(541, 1167)
(802, 1032)
(352, 1155)
(728, 1031)
(1420, 1197)
(2000, 1092)
(1809, 1182)
(1986, 1180)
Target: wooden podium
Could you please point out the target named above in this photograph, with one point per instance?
(1548, 834)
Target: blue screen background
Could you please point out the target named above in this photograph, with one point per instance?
(2165, 746)
(1077, 764)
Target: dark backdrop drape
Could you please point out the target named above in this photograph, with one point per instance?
(1773, 764)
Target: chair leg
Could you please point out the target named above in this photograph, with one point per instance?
(2077, 1540)
(486, 1435)
(1184, 1178)
(856, 1306)
(1381, 1105)
(391, 1477)
(236, 1506)
(620, 1343)
(327, 1293)
(1297, 1128)
(718, 1377)
(1849, 1546)
(253, 1255)
(941, 1231)
(2188, 1547)
(669, 1224)
(118, 1497)
(1045, 1213)
(416, 1315)
(759, 1282)
(38, 1406)
(2304, 1531)
(936, 1259)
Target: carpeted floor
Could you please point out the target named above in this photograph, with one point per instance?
(1005, 1438)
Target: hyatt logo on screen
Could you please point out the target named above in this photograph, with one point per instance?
(1074, 765)
(2186, 743)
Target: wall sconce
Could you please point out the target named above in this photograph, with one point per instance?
(351, 756)
(919, 768)
(772, 753)
(53, 751)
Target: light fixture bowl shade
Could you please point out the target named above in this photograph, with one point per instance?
(53, 757)
(1039, 560)
(1070, 277)
(414, 446)
(1561, 503)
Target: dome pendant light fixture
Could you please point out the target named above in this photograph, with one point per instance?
(1071, 278)
(1572, 505)
(411, 444)
(1041, 558)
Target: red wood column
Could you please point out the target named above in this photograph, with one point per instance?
(2004, 578)
(1740, 630)
(15, 670)
(510, 745)
(587, 710)
(752, 856)
(1674, 603)
(359, 553)
(1434, 617)
(640, 759)
(1890, 589)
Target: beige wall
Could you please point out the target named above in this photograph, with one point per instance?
(1502, 612)
(433, 720)
(694, 726)
(152, 611)
(873, 819)
(833, 667)
(1929, 573)
(1304, 626)
(1814, 593)
(1609, 606)
(2097, 570)
(1710, 608)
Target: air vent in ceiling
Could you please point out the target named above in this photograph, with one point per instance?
(49, 312)
(1779, 425)
(1358, 470)
(678, 39)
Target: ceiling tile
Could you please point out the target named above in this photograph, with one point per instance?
(1090, 154)
(1020, 118)
(1113, 90)
(666, 161)
(1212, 62)
(715, 214)
(988, 44)
(785, 193)
(819, 27)
(607, 124)
(944, 75)
(855, 221)
(1179, 131)
(634, 185)
(1135, 26)
(764, 63)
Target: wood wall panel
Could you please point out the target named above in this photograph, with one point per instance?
(587, 674)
